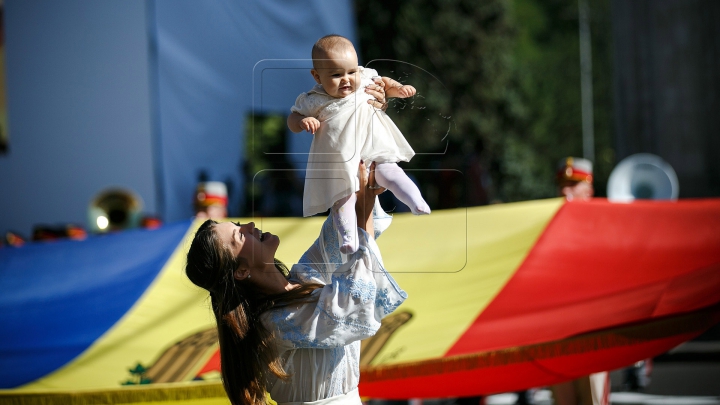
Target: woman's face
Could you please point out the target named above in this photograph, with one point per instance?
(248, 242)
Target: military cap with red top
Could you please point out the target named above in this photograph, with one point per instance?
(211, 193)
(575, 169)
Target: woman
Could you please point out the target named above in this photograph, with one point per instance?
(296, 337)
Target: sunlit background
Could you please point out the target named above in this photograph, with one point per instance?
(112, 112)
(153, 97)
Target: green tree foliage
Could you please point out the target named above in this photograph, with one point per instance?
(508, 79)
(547, 73)
(271, 184)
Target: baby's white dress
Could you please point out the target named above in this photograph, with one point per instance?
(350, 130)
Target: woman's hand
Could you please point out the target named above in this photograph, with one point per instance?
(377, 90)
(367, 180)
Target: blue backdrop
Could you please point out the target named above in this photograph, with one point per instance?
(206, 58)
(144, 94)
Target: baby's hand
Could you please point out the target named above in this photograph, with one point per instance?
(405, 91)
(310, 124)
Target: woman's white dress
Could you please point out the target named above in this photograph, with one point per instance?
(319, 341)
(350, 130)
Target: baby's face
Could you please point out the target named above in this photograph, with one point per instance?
(338, 73)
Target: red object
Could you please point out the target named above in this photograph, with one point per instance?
(604, 286)
(13, 239)
(151, 223)
(575, 169)
(575, 175)
(50, 233)
(213, 364)
(544, 364)
(599, 265)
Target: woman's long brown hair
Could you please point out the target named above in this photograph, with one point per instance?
(246, 349)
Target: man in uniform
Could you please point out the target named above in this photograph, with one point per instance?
(575, 179)
(211, 200)
(575, 183)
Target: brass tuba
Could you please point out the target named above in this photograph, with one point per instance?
(113, 210)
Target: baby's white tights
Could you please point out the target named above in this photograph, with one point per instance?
(343, 212)
(393, 178)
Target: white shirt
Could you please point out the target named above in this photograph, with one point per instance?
(319, 341)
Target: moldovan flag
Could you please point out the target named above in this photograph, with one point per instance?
(501, 298)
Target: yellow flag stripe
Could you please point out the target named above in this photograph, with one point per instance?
(452, 264)
(170, 309)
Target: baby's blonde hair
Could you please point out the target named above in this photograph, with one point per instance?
(327, 44)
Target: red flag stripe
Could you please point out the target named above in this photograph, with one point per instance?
(535, 365)
(599, 265)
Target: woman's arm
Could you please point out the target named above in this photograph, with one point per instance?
(366, 198)
(357, 294)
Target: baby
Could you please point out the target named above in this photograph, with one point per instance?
(348, 128)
